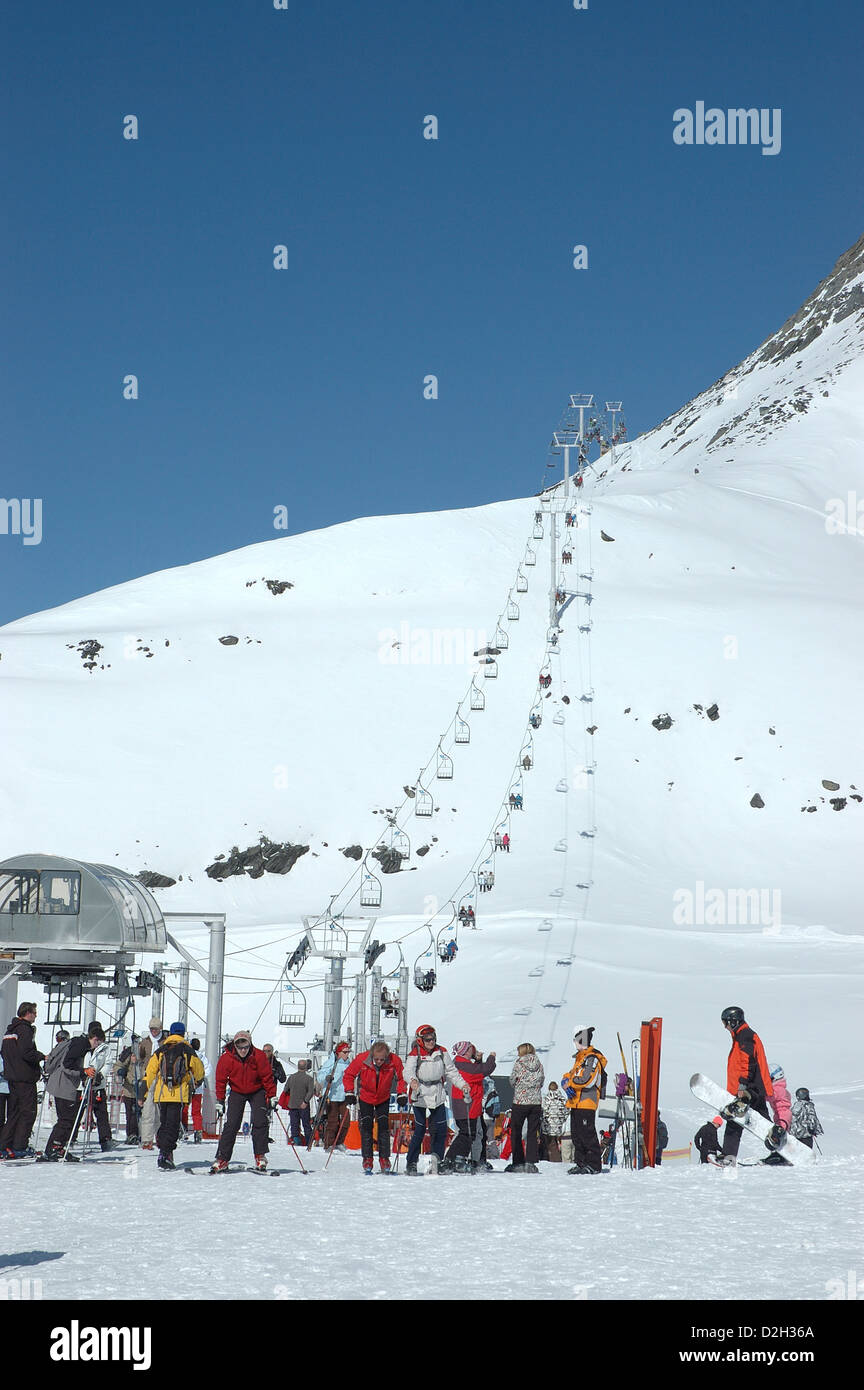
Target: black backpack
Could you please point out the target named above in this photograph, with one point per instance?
(174, 1064)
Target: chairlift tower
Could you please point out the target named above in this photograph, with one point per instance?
(613, 408)
(337, 940)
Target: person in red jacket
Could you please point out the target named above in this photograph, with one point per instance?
(246, 1069)
(747, 1074)
(373, 1073)
(467, 1108)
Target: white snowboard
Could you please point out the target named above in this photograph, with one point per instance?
(775, 1139)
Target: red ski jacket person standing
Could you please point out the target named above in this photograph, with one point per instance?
(746, 1070)
(375, 1071)
(246, 1069)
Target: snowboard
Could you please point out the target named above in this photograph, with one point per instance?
(775, 1138)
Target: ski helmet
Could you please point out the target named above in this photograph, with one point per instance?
(802, 1093)
(777, 1073)
(583, 1031)
(734, 1015)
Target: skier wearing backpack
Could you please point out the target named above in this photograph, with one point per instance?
(374, 1073)
(246, 1070)
(747, 1075)
(427, 1069)
(805, 1121)
(66, 1072)
(173, 1072)
(584, 1086)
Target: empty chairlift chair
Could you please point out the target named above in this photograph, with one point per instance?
(521, 584)
(512, 611)
(478, 699)
(463, 730)
(444, 770)
(530, 556)
(501, 638)
(370, 890)
(292, 1006)
(423, 802)
(490, 668)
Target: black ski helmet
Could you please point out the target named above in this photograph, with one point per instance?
(734, 1015)
(802, 1093)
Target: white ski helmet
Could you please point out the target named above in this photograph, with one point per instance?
(582, 1034)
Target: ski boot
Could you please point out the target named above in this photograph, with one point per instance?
(411, 1170)
(384, 1165)
(165, 1162)
(132, 1141)
(460, 1165)
(514, 1167)
(220, 1165)
(530, 1168)
(368, 1168)
(261, 1163)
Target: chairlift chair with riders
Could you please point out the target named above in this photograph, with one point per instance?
(526, 756)
(538, 531)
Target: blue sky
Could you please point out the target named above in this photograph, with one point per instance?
(407, 257)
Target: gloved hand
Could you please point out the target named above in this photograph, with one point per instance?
(90, 1071)
(220, 1109)
(271, 1105)
(402, 1102)
(349, 1099)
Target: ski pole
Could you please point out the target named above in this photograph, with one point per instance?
(74, 1129)
(289, 1141)
(39, 1119)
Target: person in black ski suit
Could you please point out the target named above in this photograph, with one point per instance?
(22, 1064)
(707, 1139)
(662, 1140)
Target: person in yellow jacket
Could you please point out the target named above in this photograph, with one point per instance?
(582, 1088)
(176, 1070)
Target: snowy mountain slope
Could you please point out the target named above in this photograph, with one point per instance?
(721, 585)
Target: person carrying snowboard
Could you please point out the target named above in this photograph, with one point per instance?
(427, 1068)
(805, 1121)
(707, 1139)
(173, 1073)
(747, 1074)
(246, 1070)
(374, 1073)
(584, 1086)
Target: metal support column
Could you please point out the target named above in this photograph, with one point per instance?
(157, 996)
(375, 987)
(333, 1003)
(402, 1022)
(8, 994)
(213, 1045)
(183, 995)
(360, 1013)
